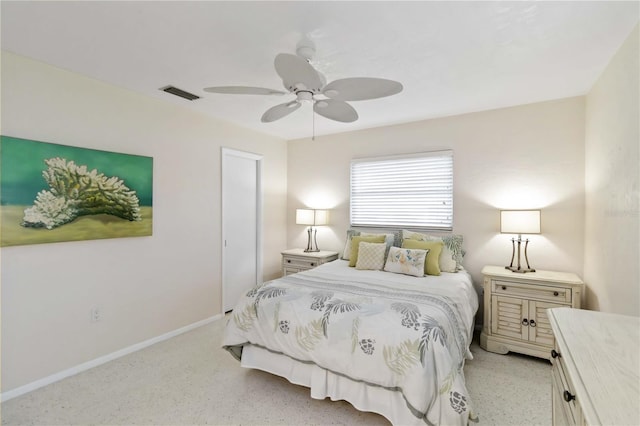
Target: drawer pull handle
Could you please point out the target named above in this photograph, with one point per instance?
(525, 321)
(313, 264)
(567, 396)
(555, 354)
(555, 293)
(504, 287)
(532, 323)
(288, 260)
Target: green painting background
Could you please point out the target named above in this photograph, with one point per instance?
(21, 167)
(22, 163)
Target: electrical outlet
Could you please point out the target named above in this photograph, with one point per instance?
(96, 314)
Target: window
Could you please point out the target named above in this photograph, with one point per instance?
(413, 191)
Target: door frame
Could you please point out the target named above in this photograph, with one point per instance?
(225, 152)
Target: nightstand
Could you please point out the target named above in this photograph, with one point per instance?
(515, 308)
(296, 260)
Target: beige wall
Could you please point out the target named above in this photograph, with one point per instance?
(145, 286)
(529, 156)
(612, 182)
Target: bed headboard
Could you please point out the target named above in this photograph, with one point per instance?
(397, 232)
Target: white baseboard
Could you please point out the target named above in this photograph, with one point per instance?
(5, 396)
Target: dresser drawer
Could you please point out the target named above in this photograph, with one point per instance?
(289, 271)
(524, 290)
(565, 390)
(299, 263)
(561, 411)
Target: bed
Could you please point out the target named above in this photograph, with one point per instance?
(386, 342)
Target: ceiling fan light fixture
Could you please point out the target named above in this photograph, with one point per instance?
(322, 104)
(304, 96)
(331, 93)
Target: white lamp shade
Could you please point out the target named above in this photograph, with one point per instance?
(322, 217)
(520, 221)
(312, 217)
(305, 217)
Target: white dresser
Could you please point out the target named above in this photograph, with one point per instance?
(596, 368)
(296, 260)
(515, 308)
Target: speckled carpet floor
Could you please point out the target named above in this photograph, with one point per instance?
(190, 380)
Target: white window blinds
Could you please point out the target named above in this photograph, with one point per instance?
(414, 191)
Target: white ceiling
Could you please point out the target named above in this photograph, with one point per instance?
(451, 57)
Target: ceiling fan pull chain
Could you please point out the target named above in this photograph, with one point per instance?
(313, 124)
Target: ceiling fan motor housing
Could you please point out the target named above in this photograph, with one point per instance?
(304, 95)
(306, 52)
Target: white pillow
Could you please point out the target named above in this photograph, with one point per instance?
(446, 261)
(371, 255)
(406, 261)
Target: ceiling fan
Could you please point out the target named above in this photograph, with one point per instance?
(308, 85)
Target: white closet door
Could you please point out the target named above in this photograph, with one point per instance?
(241, 218)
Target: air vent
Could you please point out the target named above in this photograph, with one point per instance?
(180, 92)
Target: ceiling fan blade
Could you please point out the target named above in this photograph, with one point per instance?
(335, 110)
(297, 74)
(361, 88)
(243, 90)
(279, 111)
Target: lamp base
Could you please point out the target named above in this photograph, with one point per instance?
(312, 244)
(519, 270)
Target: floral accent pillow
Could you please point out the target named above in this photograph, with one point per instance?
(371, 256)
(406, 261)
(434, 249)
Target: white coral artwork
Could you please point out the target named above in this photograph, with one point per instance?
(75, 191)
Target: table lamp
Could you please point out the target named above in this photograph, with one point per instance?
(519, 222)
(312, 217)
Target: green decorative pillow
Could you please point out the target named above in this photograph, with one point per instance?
(452, 253)
(346, 252)
(355, 244)
(432, 265)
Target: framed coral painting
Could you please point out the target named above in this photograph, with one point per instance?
(52, 193)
